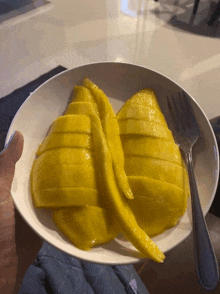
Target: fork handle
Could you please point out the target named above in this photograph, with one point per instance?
(206, 263)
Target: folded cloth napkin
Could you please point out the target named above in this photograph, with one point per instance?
(54, 271)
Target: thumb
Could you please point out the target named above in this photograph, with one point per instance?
(11, 154)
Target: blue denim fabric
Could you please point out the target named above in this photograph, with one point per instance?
(56, 272)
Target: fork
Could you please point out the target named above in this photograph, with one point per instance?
(186, 132)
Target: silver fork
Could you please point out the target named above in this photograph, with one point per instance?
(186, 132)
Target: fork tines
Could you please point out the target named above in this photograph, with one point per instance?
(182, 114)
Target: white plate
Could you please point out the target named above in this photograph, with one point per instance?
(119, 81)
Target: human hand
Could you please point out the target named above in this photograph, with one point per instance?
(8, 259)
(8, 158)
(19, 244)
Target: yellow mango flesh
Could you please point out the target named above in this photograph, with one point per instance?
(82, 94)
(82, 108)
(151, 147)
(80, 171)
(57, 198)
(98, 96)
(64, 175)
(71, 124)
(66, 156)
(61, 175)
(117, 204)
(105, 136)
(148, 215)
(143, 127)
(168, 195)
(145, 98)
(142, 113)
(153, 163)
(112, 134)
(65, 140)
(154, 168)
(60, 178)
(85, 226)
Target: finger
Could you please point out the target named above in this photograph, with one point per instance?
(14, 148)
(9, 156)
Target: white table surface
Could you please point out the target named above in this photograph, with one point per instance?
(144, 32)
(158, 35)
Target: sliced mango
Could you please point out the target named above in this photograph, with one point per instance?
(111, 131)
(166, 193)
(145, 97)
(151, 147)
(154, 165)
(82, 94)
(103, 105)
(141, 112)
(80, 171)
(56, 198)
(62, 185)
(65, 175)
(72, 124)
(65, 140)
(84, 108)
(153, 216)
(116, 203)
(86, 226)
(65, 156)
(157, 205)
(155, 168)
(143, 127)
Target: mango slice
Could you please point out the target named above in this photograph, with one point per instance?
(106, 140)
(143, 127)
(155, 168)
(85, 226)
(66, 156)
(65, 140)
(82, 94)
(153, 216)
(65, 197)
(151, 147)
(112, 134)
(83, 108)
(88, 170)
(71, 124)
(145, 98)
(156, 172)
(60, 179)
(117, 204)
(64, 176)
(69, 175)
(168, 195)
(140, 112)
